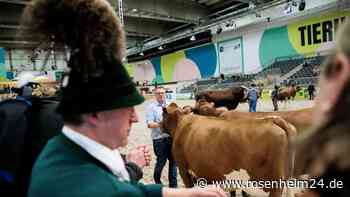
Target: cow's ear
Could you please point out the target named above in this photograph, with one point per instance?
(173, 105)
(179, 112)
(164, 110)
(187, 109)
(195, 110)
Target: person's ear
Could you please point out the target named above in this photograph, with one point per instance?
(334, 81)
(92, 119)
(341, 69)
(339, 74)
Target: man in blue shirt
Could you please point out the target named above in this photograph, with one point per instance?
(161, 141)
(253, 96)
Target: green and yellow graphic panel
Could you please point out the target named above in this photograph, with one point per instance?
(168, 63)
(130, 69)
(308, 36)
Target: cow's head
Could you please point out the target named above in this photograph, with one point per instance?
(245, 93)
(203, 102)
(171, 116)
(201, 95)
(209, 95)
(187, 109)
(205, 108)
(240, 94)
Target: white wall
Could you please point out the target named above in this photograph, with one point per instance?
(230, 56)
(21, 60)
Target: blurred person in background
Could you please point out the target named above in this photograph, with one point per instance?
(325, 149)
(253, 96)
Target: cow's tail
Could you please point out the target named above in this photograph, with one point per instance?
(291, 133)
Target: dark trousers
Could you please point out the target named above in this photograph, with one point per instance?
(311, 95)
(275, 104)
(162, 150)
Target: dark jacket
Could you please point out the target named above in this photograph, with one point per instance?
(274, 94)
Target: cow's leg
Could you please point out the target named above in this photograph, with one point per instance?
(280, 167)
(186, 178)
(233, 193)
(277, 192)
(245, 194)
(278, 173)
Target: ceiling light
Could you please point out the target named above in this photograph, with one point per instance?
(252, 5)
(142, 54)
(288, 9)
(218, 30)
(160, 47)
(134, 10)
(193, 38)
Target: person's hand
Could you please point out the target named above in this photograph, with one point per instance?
(146, 153)
(209, 191)
(137, 156)
(306, 193)
(160, 124)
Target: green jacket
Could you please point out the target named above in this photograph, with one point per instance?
(64, 169)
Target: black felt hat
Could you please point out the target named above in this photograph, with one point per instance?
(111, 90)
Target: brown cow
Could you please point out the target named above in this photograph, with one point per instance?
(229, 98)
(287, 93)
(300, 119)
(212, 147)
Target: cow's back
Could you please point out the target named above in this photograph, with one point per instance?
(217, 95)
(301, 119)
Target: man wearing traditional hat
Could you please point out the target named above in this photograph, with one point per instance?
(97, 106)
